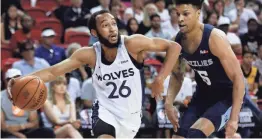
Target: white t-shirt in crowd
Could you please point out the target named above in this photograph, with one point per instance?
(73, 89)
(244, 17)
(139, 17)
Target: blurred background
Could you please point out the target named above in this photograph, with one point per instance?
(36, 34)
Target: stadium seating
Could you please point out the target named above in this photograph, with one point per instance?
(36, 12)
(79, 37)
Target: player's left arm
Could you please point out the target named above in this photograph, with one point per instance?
(220, 47)
(142, 43)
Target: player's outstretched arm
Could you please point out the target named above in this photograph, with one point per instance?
(220, 47)
(175, 83)
(142, 43)
(80, 57)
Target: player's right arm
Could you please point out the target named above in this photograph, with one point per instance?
(80, 57)
(174, 87)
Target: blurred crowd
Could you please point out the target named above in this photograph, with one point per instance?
(37, 34)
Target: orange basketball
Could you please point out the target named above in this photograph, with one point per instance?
(29, 93)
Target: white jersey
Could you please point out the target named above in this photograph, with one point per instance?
(118, 86)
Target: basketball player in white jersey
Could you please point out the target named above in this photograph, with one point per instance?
(117, 62)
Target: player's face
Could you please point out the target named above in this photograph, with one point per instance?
(60, 88)
(188, 17)
(248, 59)
(107, 31)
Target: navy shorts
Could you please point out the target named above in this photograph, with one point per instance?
(217, 112)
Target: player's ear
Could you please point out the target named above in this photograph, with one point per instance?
(198, 12)
(93, 32)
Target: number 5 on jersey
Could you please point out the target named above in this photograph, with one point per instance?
(113, 94)
(204, 76)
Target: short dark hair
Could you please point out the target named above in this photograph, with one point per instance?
(153, 16)
(92, 20)
(246, 52)
(196, 3)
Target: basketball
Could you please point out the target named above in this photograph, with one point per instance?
(29, 93)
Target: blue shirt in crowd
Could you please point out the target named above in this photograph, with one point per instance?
(53, 56)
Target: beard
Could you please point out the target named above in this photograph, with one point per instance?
(106, 42)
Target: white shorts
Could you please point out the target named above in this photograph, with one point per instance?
(124, 128)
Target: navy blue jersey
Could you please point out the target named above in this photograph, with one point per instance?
(209, 72)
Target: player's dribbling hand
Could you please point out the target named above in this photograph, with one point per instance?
(172, 114)
(157, 88)
(231, 128)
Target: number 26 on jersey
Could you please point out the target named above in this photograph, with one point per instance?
(123, 91)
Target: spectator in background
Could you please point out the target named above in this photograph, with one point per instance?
(240, 16)
(60, 11)
(10, 23)
(212, 18)
(145, 25)
(76, 15)
(29, 62)
(81, 73)
(229, 5)
(26, 34)
(234, 40)
(60, 111)
(73, 87)
(88, 96)
(115, 11)
(156, 30)
(5, 4)
(162, 11)
(104, 5)
(135, 11)
(172, 25)
(260, 17)
(17, 123)
(132, 26)
(48, 50)
(258, 64)
(250, 72)
(251, 40)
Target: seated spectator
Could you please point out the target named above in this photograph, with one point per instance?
(60, 10)
(240, 16)
(60, 111)
(172, 25)
(17, 123)
(88, 96)
(76, 15)
(48, 50)
(81, 73)
(6, 4)
(162, 11)
(73, 87)
(234, 40)
(250, 72)
(135, 11)
(156, 30)
(10, 23)
(212, 18)
(251, 40)
(29, 62)
(145, 25)
(104, 5)
(115, 11)
(132, 26)
(258, 64)
(26, 34)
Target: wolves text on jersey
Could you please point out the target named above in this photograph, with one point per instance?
(116, 75)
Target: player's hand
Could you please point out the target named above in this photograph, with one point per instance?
(172, 114)
(157, 88)
(231, 128)
(10, 84)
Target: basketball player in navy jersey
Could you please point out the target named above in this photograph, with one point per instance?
(117, 61)
(220, 84)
